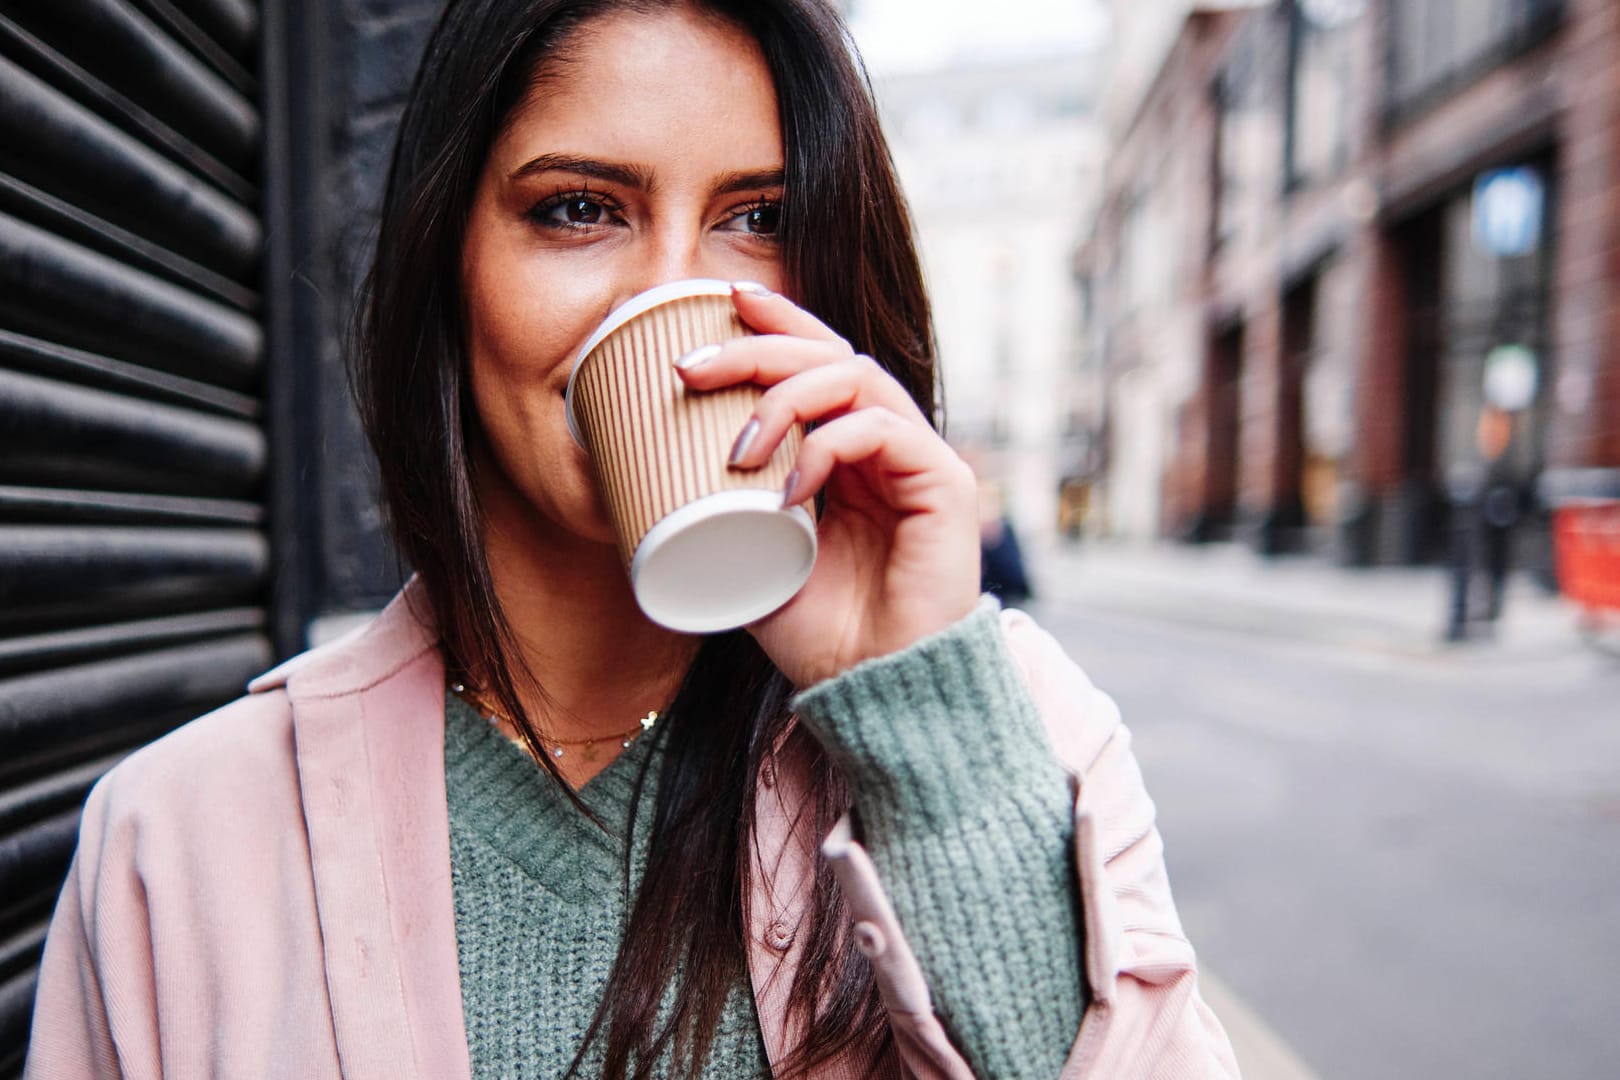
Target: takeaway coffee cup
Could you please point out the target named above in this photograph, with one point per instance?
(708, 547)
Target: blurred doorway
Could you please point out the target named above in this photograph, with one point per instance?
(1478, 337)
(1223, 438)
(1421, 499)
(1285, 526)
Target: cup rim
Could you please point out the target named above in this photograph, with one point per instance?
(767, 597)
(639, 304)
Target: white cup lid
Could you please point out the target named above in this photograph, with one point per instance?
(722, 561)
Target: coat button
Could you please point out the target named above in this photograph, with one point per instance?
(779, 935)
(869, 939)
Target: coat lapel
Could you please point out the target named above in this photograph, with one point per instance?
(404, 720)
(362, 969)
(368, 719)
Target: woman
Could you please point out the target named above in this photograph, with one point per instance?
(362, 869)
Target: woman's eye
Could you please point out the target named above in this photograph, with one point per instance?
(764, 219)
(761, 219)
(582, 212)
(572, 211)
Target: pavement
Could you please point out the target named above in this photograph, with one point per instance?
(1384, 616)
(1227, 587)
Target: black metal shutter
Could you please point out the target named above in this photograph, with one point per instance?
(133, 542)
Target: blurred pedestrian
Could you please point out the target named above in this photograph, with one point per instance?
(1002, 573)
(1502, 504)
(1001, 564)
(515, 826)
(1488, 501)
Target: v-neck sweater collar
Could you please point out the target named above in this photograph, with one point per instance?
(498, 790)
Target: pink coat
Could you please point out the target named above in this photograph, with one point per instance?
(266, 891)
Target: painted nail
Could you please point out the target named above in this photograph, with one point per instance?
(750, 432)
(701, 355)
(787, 488)
(751, 288)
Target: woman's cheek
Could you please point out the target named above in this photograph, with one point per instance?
(560, 479)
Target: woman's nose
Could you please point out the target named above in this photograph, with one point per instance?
(674, 257)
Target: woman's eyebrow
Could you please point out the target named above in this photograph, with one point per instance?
(611, 171)
(733, 182)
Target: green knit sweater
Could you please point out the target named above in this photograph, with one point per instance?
(967, 817)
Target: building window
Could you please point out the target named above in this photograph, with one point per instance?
(1320, 42)
(1148, 272)
(1438, 46)
(1247, 149)
(1495, 280)
(1225, 180)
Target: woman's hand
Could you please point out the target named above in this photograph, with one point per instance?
(898, 538)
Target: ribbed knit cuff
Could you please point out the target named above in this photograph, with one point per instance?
(937, 731)
(968, 818)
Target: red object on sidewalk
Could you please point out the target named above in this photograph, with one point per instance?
(1586, 552)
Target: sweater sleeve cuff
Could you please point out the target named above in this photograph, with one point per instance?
(938, 731)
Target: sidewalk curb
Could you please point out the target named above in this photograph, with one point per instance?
(1399, 611)
(1261, 1052)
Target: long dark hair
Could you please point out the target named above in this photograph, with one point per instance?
(849, 257)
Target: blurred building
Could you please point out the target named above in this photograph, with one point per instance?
(1331, 232)
(1001, 162)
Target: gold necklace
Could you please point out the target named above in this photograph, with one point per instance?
(555, 747)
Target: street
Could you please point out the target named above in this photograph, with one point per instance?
(1406, 862)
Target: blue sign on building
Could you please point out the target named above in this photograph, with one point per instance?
(1509, 205)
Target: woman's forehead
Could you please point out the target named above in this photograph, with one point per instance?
(633, 84)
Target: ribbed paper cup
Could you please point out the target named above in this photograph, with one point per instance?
(708, 547)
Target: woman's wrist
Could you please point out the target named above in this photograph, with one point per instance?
(924, 730)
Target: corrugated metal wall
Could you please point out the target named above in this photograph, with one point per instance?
(133, 541)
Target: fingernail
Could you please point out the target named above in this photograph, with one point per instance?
(700, 355)
(750, 432)
(787, 488)
(752, 288)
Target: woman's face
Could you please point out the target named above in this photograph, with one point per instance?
(649, 152)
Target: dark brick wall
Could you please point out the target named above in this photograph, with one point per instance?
(350, 81)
